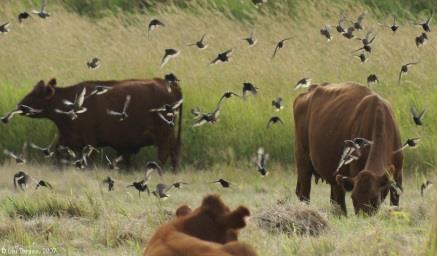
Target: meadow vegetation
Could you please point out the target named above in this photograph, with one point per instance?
(60, 46)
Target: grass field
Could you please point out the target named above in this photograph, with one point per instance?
(79, 217)
(60, 46)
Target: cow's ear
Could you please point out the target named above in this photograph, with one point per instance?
(183, 210)
(52, 82)
(236, 219)
(346, 182)
(49, 92)
(213, 203)
(40, 86)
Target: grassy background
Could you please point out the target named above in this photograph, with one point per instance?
(60, 46)
(81, 218)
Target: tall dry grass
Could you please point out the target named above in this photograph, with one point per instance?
(60, 46)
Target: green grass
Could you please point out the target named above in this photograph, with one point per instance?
(60, 46)
(122, 222)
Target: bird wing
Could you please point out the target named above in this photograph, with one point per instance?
(400, 76)
(32, 145)
(43, 5)
(164, 119)
(113, 113)
(81, 97)
(276, 49)
(414, 111)
(411, 64)
(177, 104)
(126, 103)
(269, 123)
(165, 59)
(422, 114)
(202, 38)
(10, 154)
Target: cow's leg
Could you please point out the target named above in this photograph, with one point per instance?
(394, 195)
(338, 197)
(304, 174)
(164, 149)
(175, 152)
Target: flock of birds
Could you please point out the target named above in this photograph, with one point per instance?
(168, 112)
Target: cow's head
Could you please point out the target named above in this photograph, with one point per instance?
(367, 190)
(212, 221)
(40, 97)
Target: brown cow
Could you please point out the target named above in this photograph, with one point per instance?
(212, 229)
(95, 127)
(327, 115)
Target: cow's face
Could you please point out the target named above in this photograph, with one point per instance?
(367, 190)
(40, 97)
(213, 220)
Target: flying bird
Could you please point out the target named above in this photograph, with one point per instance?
(21, 110)
(404, 70)
(23, 16)
(201, 43)
(18, 159)
(45, 150)
(110, 182)
(277, 104)
(358, 24)
(349, 33)
(363, 57)
(352, 150)
(223, 183)
(421, 40)
(140, 186)
(4, 28)
(154, 24)
(123, 114)
(227, 95)
(251, 40)
(409, 143)
(393, 27)
(280, 45)
(94, 63)
(417, 117)
(222, 57)
(42, 13)
(274, 120)
(261, 162)
(21, 179)
(366, 41)
(76, 107)
(258, 3)
(152, 167)
(43, 183)
(113, 164)
(339, 27)
(167, 112)
(372, 79)
(425, 24)
(171, 79)
(162, 190)
(248, 87)
(326, 32)
(168, 55)
(201, 118)
(303, 83)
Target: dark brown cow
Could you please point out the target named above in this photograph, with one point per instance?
(211, 229)
(325, 117)
(95, 127)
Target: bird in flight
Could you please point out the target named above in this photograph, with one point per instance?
(222, 57)
(201, 43)
(153, 25)
(123, 114)
(169, 54)
(280, 45)
(417, 117)
(42, 13)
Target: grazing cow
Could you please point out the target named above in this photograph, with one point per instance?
(327, 115)
(95, 127)
(212, 229)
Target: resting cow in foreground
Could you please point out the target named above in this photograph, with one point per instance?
(327, 115)
(210, 230)
(92, 125)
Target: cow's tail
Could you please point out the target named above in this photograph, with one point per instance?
(179, 135)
